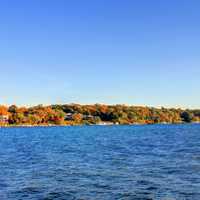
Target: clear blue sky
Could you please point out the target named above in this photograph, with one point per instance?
(107, 51)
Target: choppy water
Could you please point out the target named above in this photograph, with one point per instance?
(101, 162)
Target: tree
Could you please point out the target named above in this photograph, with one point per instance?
(3, 110)
(77, 117)
(12, 109)
(186, 116)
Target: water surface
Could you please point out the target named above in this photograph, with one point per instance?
(100, 162)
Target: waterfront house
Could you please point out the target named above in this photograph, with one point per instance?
(88, 117)
(68, 116)
(105, 123)
(4, 118)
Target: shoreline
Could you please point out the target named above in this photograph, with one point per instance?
(52, 125)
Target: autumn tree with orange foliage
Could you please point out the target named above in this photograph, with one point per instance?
(94, 114)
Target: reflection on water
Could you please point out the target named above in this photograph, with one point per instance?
(100, 162)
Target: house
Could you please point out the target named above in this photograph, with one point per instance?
(68, 116)
(105, 123)
(88, 117)
(4, 118)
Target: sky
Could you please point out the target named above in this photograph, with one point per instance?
(135, 52)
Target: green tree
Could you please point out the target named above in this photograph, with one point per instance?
(186, 116)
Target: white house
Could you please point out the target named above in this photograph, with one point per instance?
(4, 118)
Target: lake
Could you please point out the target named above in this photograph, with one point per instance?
(100, 162)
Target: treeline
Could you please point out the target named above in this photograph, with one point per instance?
(75, 114)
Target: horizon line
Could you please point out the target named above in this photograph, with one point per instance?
(107, 104)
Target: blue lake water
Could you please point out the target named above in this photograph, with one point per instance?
(100, 162)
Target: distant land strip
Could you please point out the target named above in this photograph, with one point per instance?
(96, 114)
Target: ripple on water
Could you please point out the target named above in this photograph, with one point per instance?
(159, 162)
